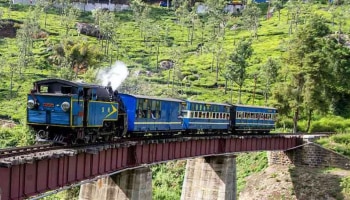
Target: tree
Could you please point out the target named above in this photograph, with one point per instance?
(187, 18)
(278, 5)
(268, 74)
(250, 16)
(25, 37)
(43, 6)
(141, 11)
(106, 23)
(239, 63)
(305, 72)
(338, 86)
(75, 56)
(69, 17)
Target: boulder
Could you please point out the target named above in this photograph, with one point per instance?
(88, 29)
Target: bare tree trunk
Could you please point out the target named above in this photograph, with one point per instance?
(309, 120)
(240, 95)
(295, 120)
(11, 83)
(157, 60)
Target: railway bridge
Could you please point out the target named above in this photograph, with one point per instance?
(120, 170)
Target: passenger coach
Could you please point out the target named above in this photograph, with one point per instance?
(252, 119)
(152, 114)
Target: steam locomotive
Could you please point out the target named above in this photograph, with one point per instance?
(68, 112)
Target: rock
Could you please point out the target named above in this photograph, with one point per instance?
(166, 64)
(88, 29)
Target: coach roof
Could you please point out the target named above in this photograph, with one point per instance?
(153, 98)
(71, 83)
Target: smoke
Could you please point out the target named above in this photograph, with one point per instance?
(115, 75)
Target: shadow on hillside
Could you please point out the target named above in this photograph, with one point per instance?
(315, 183)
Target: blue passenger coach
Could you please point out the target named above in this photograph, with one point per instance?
(152, 114)
(206, 116)
(253, 119)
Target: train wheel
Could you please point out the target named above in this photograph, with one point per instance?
(93, 138)
(106, 138)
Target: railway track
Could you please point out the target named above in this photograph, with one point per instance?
(19, 151)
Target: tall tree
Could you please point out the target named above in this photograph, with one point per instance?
(278, 5)
(69, 17)
(187, 16)
(106, 23)
(25, 37)
(268, 74)
(251, 15)
(141, 14)
(305, 72)
(239, 62)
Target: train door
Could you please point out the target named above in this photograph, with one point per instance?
(86, 106)
(232, 119)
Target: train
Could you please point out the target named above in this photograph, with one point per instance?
(71, 112)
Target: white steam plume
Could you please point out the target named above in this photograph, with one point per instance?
(114, 75)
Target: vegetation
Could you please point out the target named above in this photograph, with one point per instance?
(248, 164)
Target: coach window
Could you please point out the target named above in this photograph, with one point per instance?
(228, 115)
(140, 113)
(252, 115)
(145, 108)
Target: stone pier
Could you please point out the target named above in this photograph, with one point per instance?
(210, 178)
(132, 184)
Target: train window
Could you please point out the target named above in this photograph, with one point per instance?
(253, 115)
(200, 114)
(207, 115)
(228, 115)
(192, 114)
(140, 113)
(153, 104)
(145, 104)
(44, 88)
(66, 90)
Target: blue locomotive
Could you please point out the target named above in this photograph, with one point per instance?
(70, 112)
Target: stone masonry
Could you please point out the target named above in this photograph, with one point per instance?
(210, 178)
(132, 184)
(309, 154)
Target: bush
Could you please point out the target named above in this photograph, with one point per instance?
(345, 184)
(19, 135)
(338, 142)
(330, 124)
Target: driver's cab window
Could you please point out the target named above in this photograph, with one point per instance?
(44, 89)
(66, 90)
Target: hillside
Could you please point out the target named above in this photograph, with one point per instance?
(282, 182)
